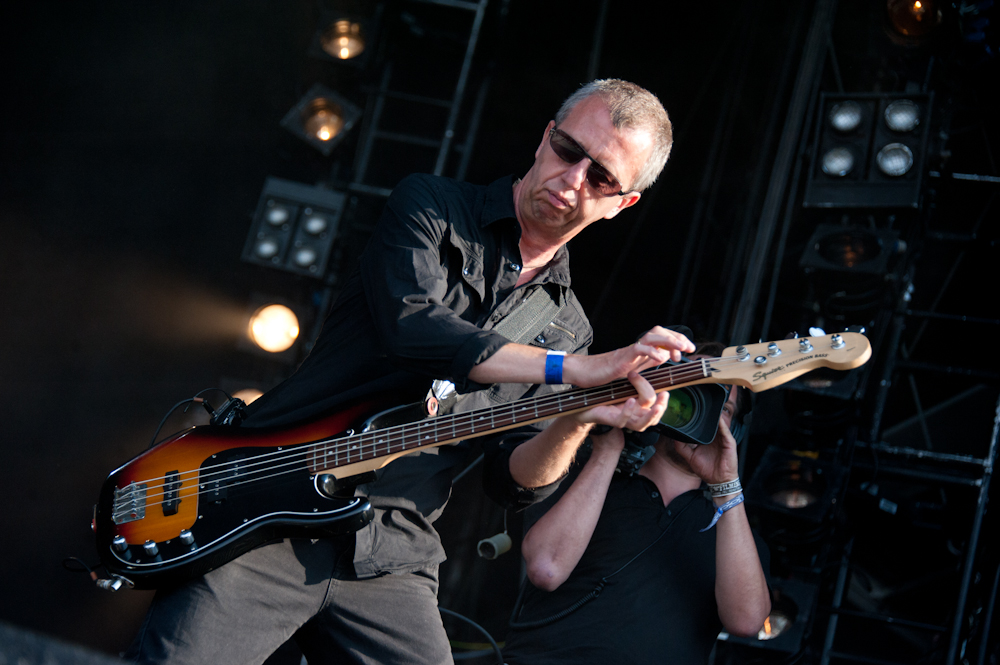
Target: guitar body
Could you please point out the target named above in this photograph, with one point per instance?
(209, 494)
(200, 499)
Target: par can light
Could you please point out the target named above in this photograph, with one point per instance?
(343, 39)
(894, 159)
(266, 247)
(902, 115)
(845, 117)
(322, 119)
(838, 162)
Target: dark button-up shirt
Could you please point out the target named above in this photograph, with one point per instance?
(439, 272)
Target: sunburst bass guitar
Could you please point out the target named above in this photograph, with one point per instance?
(208, 494)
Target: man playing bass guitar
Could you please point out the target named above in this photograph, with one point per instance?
(448, 263)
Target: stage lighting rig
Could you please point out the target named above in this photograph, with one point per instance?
(321, 118)
(869, 151)
(294, 227)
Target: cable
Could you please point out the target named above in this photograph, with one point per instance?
(197, 399)
(474, 654)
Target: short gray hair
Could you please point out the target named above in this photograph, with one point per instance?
(633, 107)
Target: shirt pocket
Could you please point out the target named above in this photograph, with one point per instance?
(557, 335)
(466, 260)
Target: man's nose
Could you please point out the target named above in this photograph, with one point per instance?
(576, 174)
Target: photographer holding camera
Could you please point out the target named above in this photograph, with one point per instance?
(643, 567)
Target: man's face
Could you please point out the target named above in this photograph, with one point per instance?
(555, 200)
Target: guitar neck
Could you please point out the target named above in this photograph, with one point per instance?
(758, 367)
(331, 455)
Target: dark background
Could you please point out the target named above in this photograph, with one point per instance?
(136, 139)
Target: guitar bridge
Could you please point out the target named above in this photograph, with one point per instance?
(130, 503)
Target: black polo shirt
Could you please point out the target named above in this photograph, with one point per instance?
(649, 574)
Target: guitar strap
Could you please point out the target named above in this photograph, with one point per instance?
(530, 317)
(523, 323)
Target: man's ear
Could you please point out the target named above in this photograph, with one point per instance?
(627, 201)
(545, 137)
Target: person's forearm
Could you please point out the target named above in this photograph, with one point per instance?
(544, 459)
(512, 363)
(740, 586)
(519, 363)
(554, 545)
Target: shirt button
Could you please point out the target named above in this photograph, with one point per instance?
(515, 267)
(656, 495)
(540, 339)
(465, 271)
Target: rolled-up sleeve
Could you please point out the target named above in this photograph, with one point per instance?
(425, 301)
(498, 483)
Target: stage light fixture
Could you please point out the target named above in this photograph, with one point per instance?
(868, 151)
(274, 328)
(294, 227)
(321, 118)
(850, 249)
(845, 116)
(838, 162)
(902, 115)
(894, 159)
(913, 19)
(343, 39)
(795, 485)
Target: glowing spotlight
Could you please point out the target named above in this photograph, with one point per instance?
(343, 39)
(248, 395)
(846, 116)
(902, 115)
(838, 162)
(894, 159)
(274, 328)
(321, 118)
(914, 19)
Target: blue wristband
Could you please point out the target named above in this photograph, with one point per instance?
(554, 367)
(732, 503)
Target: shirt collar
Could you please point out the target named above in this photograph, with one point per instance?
(499, 201)
(499, 205)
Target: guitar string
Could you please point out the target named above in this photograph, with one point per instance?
(674, 373)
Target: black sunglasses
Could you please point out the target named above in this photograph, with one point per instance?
(571, 152)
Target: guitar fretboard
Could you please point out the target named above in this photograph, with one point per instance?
(325, 455)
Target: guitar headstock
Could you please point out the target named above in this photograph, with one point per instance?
(769, 364)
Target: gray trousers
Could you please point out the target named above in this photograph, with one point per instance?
(241, 612)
